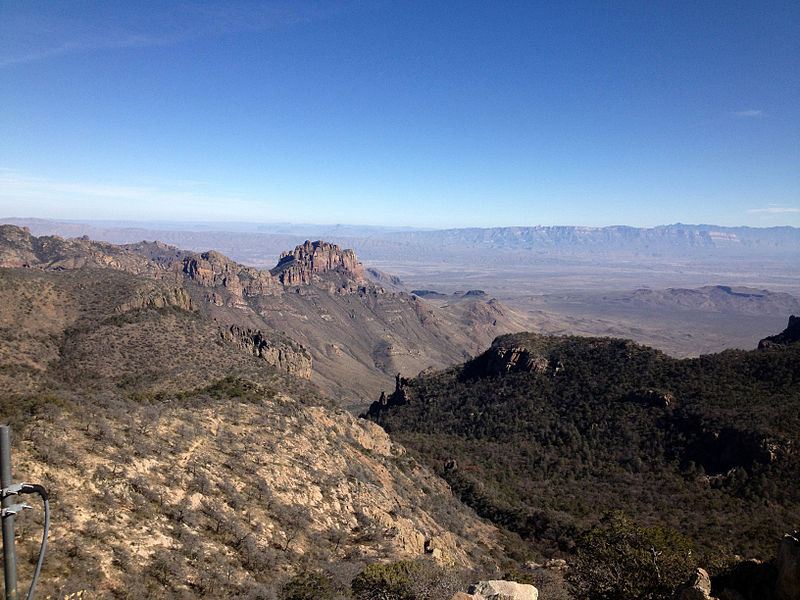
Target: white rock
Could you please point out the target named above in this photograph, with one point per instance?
(495, 589)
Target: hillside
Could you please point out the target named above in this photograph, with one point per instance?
(543, 434)
(182, 465)
(85, 327)
(225, 491)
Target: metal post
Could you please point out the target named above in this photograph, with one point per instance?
(9, 553)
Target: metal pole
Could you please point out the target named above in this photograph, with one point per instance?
(9, 553)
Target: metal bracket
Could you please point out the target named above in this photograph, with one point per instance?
(13, 490)
(10, 511)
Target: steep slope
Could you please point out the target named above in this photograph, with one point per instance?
(542, 434)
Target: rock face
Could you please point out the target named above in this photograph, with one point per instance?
(281, 352)
(498, 589)
(174, 296)
(214, 270)
(313, 259)
(788, 563)
(790, 335)
(308, 263)
(514, 353)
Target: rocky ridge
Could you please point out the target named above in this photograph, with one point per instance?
(18, 248)
(356, 333)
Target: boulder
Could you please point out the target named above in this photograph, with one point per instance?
(498, 589)
(747, 580)
(698, 587)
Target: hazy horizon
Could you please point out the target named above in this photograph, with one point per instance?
(279, 226)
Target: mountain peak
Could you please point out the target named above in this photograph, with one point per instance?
(316, 258)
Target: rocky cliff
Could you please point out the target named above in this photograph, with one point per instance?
(285, 354)
(789, 336)
(314, 259)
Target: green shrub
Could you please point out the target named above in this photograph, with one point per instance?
(621, 560)
(308, 586)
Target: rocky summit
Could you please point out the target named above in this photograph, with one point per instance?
(313, 259)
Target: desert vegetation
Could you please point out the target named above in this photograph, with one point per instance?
(545, 435)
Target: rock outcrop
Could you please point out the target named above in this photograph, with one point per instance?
(790, 335)
(751, 579)
(513, 354)
(499, 589)
(312, 259)
(281, 352)
(306, 264)
(788, 563)
(174, 296)
(698, 587)
(214, 270)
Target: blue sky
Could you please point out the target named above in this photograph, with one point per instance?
(436, 114)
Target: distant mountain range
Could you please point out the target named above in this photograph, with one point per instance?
(609, 238)
(674, 237)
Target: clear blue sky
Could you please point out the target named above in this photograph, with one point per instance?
(439, 114)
